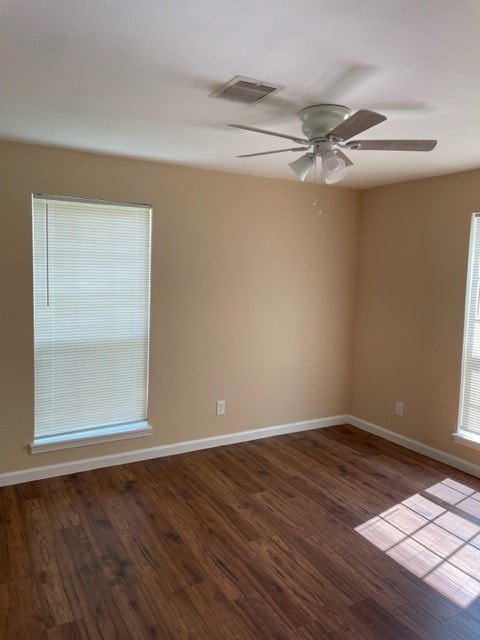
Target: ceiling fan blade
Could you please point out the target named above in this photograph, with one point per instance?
(392, 145)
(266, 153)
(270, 133)
(359, 122)
(344, 157)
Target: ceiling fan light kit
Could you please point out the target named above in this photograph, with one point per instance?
(328, 128)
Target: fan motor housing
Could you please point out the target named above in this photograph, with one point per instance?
(319, 119)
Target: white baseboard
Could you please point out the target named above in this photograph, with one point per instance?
(64, 468)
(447, 458)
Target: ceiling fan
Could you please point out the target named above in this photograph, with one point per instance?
(328, 129)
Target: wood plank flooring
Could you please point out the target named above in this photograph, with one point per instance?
(250, 541)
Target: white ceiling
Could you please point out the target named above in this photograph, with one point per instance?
(133, 77)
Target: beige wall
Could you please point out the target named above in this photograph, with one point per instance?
(413, 248)
(252, 296)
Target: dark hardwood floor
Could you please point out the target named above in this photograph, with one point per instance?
(255, 540)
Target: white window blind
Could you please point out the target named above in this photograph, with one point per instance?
(469, 415)
(92, 309)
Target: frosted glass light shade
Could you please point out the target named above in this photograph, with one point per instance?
(303, 165)
(333, 167)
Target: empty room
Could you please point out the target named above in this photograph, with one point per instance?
(240, 278)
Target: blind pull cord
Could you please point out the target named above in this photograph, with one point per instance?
(47, 271)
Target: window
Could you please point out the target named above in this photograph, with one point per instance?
(469, 416)
(91, 265)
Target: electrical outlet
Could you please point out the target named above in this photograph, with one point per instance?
(399, 408)
(220, 408)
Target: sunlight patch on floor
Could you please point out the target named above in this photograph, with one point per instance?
(432, 538)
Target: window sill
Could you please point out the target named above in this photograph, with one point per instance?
(467, 439)
(90, 436)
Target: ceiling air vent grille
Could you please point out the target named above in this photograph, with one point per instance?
(245, 90)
